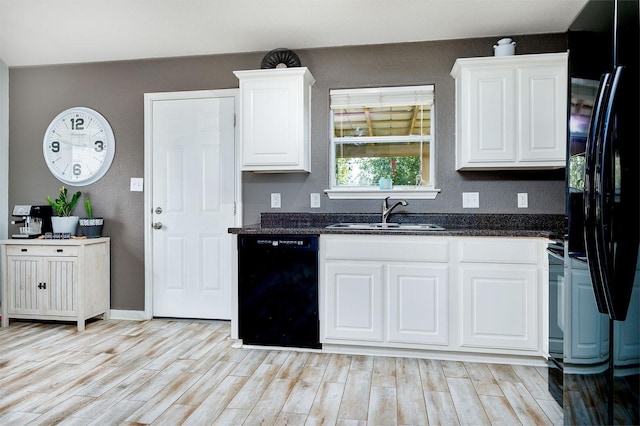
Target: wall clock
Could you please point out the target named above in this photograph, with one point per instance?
(79, 146)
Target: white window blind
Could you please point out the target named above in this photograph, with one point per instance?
(381, 97)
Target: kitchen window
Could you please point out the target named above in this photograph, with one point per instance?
(382, 143)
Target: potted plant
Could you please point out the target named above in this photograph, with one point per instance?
(90, 227)
(64, 223)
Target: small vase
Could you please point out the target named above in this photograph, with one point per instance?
(91, 227)
(64, 224)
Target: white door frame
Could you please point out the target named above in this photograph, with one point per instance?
(149, 99)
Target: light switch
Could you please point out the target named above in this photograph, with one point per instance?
(137, 184)
(470, 200)
(275, 200)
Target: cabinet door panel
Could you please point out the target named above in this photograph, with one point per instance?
(491, 116)
(271, 128)
(23, 276)
(354, 292)
(499, 306)
(60, 285)
(418, 304)
(542, 114)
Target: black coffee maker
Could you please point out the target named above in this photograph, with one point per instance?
(34, 220)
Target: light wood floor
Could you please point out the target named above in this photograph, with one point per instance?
(188, 372)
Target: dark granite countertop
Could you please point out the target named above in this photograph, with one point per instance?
(455, 224)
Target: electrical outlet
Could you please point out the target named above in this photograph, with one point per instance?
(523, 200)
(275, 200)
(315, 200)
(137, 184)
(470, 200)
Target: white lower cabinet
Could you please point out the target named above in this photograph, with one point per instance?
(370, 297)
(480, 295)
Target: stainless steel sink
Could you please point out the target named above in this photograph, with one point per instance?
(389, 226)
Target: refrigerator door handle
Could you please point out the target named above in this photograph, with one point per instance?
(594, 141)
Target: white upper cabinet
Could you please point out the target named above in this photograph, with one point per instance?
(274, 119)
(511, 112)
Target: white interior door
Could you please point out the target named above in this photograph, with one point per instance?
(193, 190)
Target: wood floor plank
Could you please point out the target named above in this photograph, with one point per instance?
(162, 400)
(161, 380)
(362, 363)
(504, 373)
(384, 372)
(216, 403)
(176, 414)
(552, 410)
(467, 403)
(482, 379)
(432, 375)
(440, 408)
(326, 405)
(524, 405)
(337, 368)
(249, 363)
(355, 400)
(498, 410)
(270, 405)
(301, 398)
(411, 406)
(293, 365)
(116, 414)
(454, 369)
(206, 384)
(230, 416)
(383, 406)
(255, 386)
(533, 381)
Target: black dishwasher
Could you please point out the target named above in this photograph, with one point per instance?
(278, 290)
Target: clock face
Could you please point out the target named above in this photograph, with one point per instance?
(79, 146)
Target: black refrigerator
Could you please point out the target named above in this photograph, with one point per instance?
(600, 355)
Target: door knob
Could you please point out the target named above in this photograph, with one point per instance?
(157, 225)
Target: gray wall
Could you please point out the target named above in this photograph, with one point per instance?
(115, 89)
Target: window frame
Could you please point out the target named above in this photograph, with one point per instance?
(374, 192)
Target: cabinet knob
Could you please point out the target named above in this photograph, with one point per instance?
(42, 286)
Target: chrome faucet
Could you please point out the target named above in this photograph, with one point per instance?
(386, 210)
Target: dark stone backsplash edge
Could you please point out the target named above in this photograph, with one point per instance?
(552, 223)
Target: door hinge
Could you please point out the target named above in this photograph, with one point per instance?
(234, 120)
(234, 208)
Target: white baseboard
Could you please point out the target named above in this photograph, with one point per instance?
(128, 315)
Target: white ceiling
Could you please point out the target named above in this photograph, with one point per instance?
(39, 32)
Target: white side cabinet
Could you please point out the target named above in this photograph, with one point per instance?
(389, 291)
(511, 112)
(274, 120)
(64, 280)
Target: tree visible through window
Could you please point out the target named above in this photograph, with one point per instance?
(382, 133)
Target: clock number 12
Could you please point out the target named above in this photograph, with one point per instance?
(77, 124)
